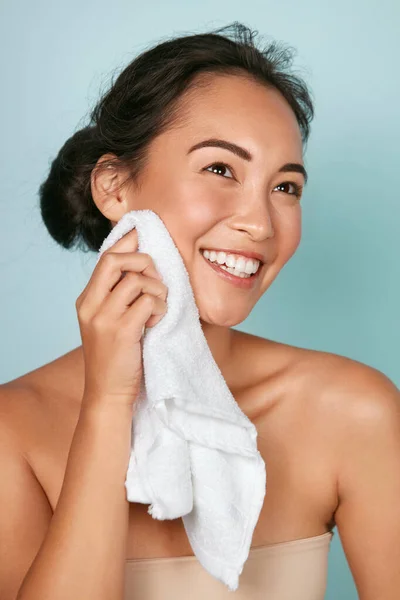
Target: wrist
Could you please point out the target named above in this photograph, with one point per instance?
(104, 404)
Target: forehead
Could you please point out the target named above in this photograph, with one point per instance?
(242, 110)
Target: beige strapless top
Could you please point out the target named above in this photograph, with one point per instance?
(295, 570)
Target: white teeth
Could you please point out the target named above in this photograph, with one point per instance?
(236, 264)
(220, 257)
(234, 272)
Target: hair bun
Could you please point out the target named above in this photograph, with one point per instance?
(66, 202)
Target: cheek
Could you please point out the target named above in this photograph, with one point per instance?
(193, 208)
(288, 231)
(186, 210)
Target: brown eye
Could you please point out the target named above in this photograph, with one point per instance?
(297, 188)
(219, 169)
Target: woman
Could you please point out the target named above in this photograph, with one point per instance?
(209, 132)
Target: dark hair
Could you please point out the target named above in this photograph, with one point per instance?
(141, 104)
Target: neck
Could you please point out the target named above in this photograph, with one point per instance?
(220, 342)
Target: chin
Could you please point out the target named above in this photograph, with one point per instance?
(223, 318)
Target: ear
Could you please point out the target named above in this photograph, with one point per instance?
(108, 195)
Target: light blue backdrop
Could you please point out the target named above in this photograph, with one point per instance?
(339, 293)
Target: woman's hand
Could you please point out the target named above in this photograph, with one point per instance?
(125, 293)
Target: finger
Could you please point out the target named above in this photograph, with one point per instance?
(128, 243)
(109, 273)
(128, 291)
(146, 311)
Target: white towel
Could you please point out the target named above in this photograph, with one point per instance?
(194, 452)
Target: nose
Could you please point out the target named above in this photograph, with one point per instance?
(254, 218)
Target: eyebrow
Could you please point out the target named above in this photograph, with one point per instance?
(246, 155)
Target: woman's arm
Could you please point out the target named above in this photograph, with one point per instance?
(368, 515)
(83, 545)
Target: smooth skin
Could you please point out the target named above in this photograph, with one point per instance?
(329, 426)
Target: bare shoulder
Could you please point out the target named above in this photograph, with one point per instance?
(39, 410)
(44, 397)
(341, 394)
(335, 378)
(24, 418)
(359, 404)
(25, 510)
(19, 411)
(337, 392)
(346, 388)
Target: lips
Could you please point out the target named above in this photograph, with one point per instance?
(240, 282)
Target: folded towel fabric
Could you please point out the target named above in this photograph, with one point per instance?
(194, 452)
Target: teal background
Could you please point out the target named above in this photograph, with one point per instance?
(340, 291)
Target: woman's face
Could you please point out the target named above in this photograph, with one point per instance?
(241, 204)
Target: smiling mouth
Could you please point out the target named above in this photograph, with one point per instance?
(232, 270)
(239, 281)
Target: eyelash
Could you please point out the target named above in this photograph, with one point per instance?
(298, 188)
